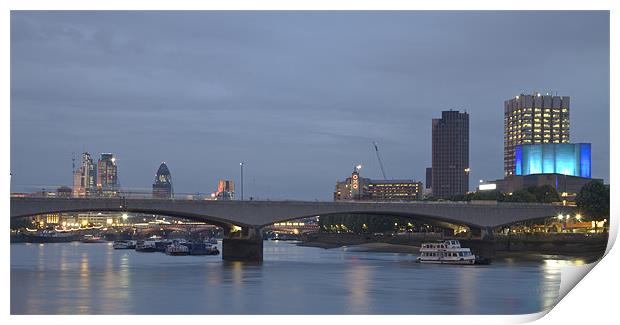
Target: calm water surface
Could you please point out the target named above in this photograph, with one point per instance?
(76, 278)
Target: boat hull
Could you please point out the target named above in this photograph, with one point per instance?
(464, 262)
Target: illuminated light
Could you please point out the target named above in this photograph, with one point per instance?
(487, 187)
(124, 216)
(578, 217)
(560, 217)
(467, 170)
(109, 221)
(548, 158)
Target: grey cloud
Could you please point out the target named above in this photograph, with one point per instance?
(299, 96)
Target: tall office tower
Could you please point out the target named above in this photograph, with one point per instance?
(107, 181)
(225, 190)
(429, 178)
(532, 119)
(162, 187)
(84, 178)
(450, 166)
(78, 189)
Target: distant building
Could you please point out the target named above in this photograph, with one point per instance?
(572, 159)
(162, 187)
(565, 166)
(85, 178)
(450, 154)
(365, 189)
(107, 176)
(567, 186)
(530, 119)
(225, 190)
(63, 191)
(429, 177)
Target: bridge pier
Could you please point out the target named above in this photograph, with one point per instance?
(244, 245)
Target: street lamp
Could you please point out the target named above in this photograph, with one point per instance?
(241, 165)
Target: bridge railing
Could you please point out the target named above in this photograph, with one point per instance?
(189, 197)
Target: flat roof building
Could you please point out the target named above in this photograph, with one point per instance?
(366, 189)
(450, 166)
(530, 119)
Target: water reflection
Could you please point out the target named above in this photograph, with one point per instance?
(84, 304)
(94, 278)
(358, 283)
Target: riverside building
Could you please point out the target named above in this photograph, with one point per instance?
(531, 119)
(450, 154)
(366, 189)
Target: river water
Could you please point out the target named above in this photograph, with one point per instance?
(77, 278)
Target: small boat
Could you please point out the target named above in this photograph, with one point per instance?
(202, 249)
(124, 244)
(146, 246)
(48, 237)
(446, 252)
(176, 248)
(90, 239)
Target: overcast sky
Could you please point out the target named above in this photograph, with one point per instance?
(298, 96)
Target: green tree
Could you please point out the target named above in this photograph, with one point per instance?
(521, 196)
(545, 193)
(593, 200)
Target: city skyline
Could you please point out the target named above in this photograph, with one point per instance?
(288, 111)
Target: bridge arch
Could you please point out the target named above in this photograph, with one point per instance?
(217, 221)
(400, 214)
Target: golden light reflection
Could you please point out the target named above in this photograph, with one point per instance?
(84, 286)
(552, 272)
(359, 284)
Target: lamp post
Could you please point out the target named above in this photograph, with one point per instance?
(241, 165)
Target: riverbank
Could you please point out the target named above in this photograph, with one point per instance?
(367, 247)
(590, 248)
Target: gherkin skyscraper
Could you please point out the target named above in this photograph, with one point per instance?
(162, 187)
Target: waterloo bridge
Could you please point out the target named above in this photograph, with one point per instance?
(243, 220)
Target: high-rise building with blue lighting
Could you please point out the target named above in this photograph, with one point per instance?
(531, 119)
(572, 159)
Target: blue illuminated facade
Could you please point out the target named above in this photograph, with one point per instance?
(573, 159)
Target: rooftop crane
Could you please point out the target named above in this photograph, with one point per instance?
(379, 158)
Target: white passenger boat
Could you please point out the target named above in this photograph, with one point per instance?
(446, 252)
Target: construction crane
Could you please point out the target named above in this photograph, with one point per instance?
(379, 158)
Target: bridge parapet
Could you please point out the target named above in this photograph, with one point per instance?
(262, 213)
